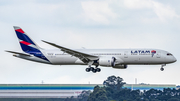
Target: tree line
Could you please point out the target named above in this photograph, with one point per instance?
(113, 91)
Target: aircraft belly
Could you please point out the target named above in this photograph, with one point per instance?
(63, 60)
(142, 60)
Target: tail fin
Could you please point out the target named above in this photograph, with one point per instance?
(25, 41)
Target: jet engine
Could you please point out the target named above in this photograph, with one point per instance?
(120, 66)
(108, 61)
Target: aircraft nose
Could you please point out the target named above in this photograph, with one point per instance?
(175, 59)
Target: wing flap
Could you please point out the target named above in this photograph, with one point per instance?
(86, 58)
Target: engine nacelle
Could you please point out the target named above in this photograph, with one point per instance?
(107, 61)
(120, 66)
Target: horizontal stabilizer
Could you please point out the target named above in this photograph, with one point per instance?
(18, 53)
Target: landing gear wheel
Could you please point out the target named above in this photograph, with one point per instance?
(88, 69)
(162, 69)
(91, 68)
(94, 71)
(98, 69)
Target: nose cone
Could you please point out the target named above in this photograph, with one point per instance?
(174, 60)
(170, 59)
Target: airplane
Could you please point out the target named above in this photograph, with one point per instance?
(115, 58)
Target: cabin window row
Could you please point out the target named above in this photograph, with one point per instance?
(107, 54)
(98, 54)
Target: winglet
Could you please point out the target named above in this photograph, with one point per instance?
(48, 42)
(44, 41)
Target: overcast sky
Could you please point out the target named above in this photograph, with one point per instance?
(100, 24)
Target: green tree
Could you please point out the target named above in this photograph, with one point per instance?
(173, 99)
(113, 86)
(152, 94)
(114, 82)
(71, 99)
(155, 100)
(98, 94)
(84, 95)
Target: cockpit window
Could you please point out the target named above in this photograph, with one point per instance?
(169, 54)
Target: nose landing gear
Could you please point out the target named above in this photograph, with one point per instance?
(162, 69)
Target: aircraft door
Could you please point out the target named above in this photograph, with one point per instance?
(126, 54)
(158, 55)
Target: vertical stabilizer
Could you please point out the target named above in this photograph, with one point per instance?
(27, 44)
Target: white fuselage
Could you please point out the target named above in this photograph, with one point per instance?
(123, 56)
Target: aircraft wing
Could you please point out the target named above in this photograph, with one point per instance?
(86, 58)
(18, 53)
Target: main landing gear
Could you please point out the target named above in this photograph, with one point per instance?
(162, 69)
(94, 70)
